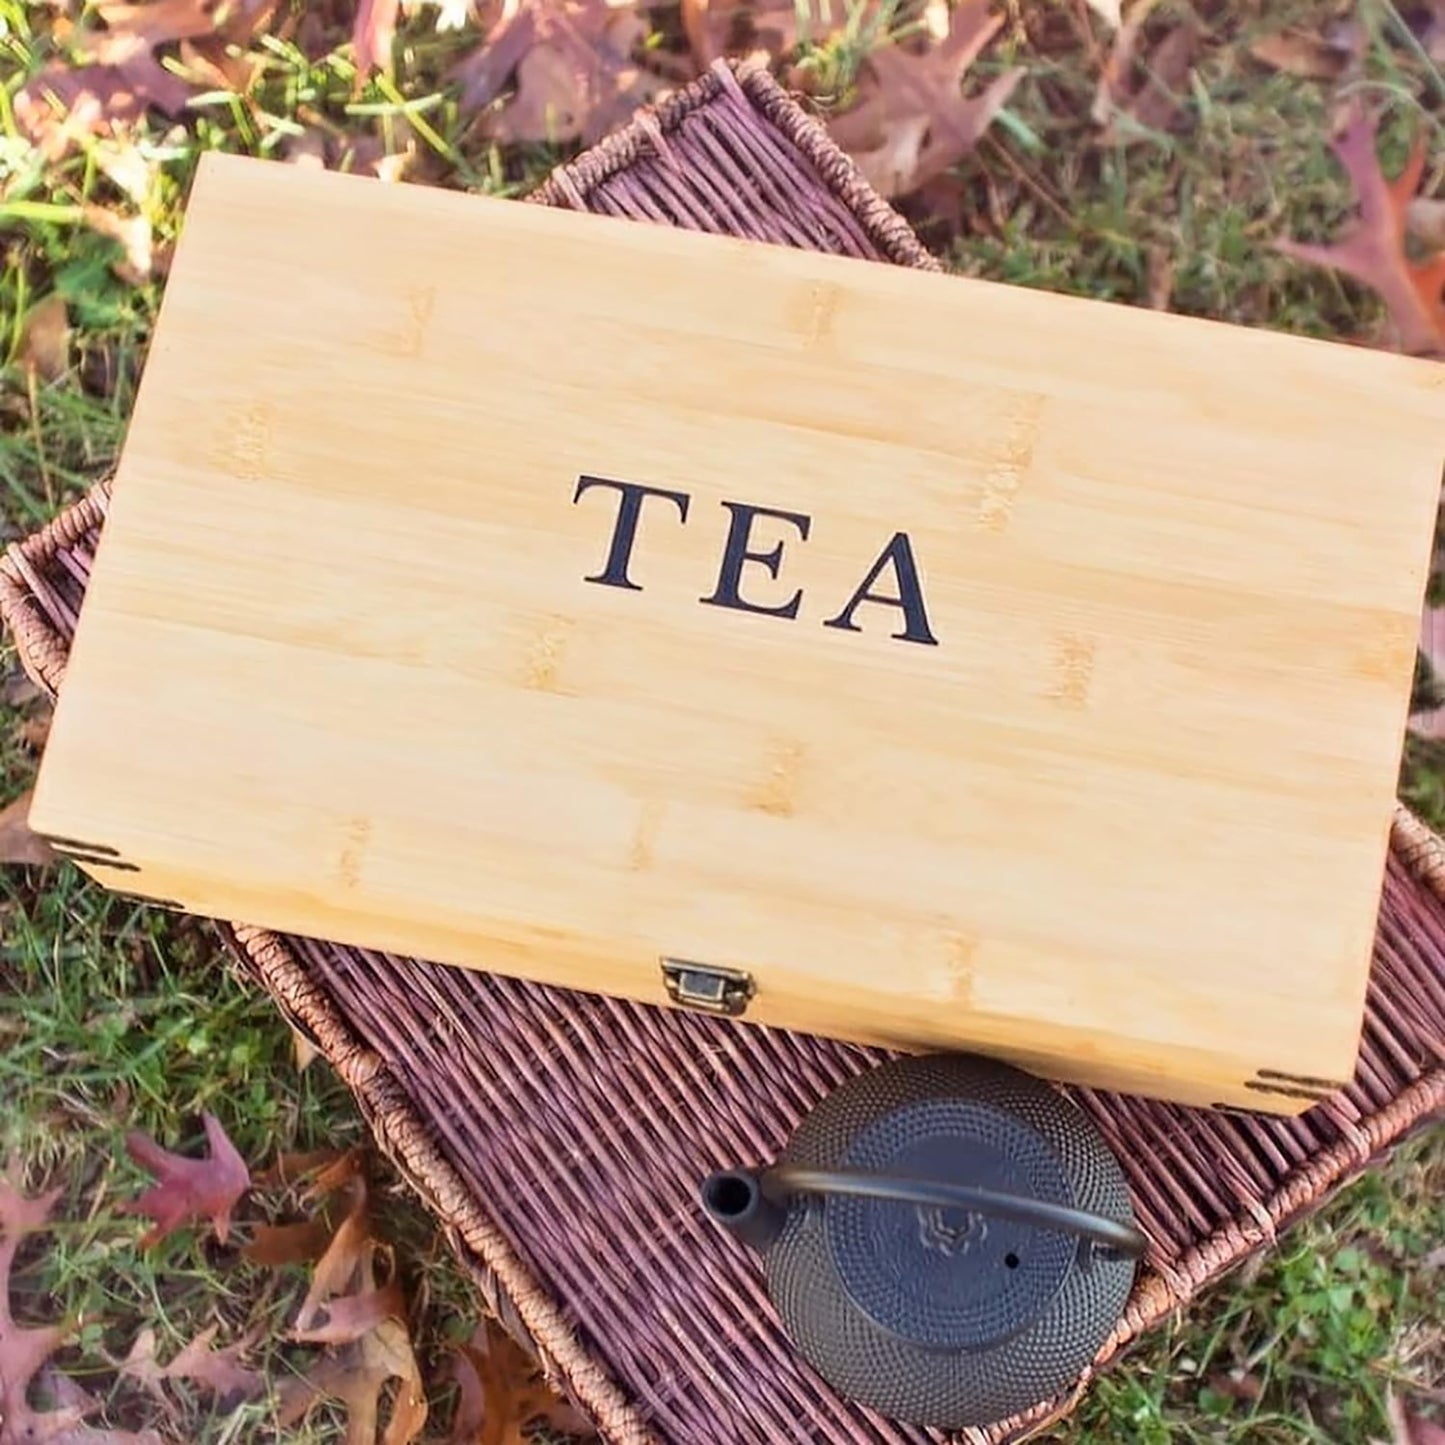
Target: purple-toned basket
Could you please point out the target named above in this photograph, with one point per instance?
(560, 1137)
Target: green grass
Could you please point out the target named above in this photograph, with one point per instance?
(113, 1018)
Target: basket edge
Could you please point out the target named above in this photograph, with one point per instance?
(570, 183)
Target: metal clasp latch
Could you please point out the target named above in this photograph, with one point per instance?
(706, 987)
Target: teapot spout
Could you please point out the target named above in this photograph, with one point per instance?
(735, 1199)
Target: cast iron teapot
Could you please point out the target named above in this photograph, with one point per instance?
(946, 1239)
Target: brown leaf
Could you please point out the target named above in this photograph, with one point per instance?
(1108, 10)
(78, 1434)
(45, 339)
(715, 28)
(126, 167)
(1432, 36)
(1157, 105)
(1116, 79)
(1238, 1385)
(500, 1393)
(17, 843)
(1430, 721)
(1159, 278)
(1301, 52)
(327, 1169)
(356, 1375)
(65, 1393)
(142, 1366)
(275, 1245)
(135, 237)
(33, 732)
(23, 1351)
(64, 103)
(220, 61)
(338, 1173)
(341, 1267)
(19, 691)
(1372, 248)
(1408, 1428)
(574, 70)
(373, 35)
(1128, 106)
(485, 72)
(339, 1321)
(356, 1370)
(911, 122)
(61, 1424)
(218, 67)
(303, 1050)
(219, 1371)
(188, 1189)
(1425, 220)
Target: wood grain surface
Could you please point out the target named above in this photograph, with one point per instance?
(985, 668)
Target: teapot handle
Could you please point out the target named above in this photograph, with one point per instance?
(750, 1204)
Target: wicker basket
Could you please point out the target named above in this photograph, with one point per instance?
(559, 1137)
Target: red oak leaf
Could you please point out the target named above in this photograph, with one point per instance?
(188, 1189)
(1372, 249)
(911, 122)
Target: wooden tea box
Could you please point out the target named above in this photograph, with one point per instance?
(878, 653)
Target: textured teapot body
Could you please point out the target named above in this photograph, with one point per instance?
(945, 1238)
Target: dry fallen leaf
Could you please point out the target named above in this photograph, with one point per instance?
(364, 1325)
(1108, 10)
(574, 71)
(17, 843)
(373, 34)
(275, 1245)
(1237, 1384)
(1425, 220)
(127, 168)
(139, 259)
(500, 1394)
(1159, 278)
(911, 122)
(715, 28)
(218, 1371)
(1303, 53)
(303, 1050)
(34, 732)
(141, 1365)
(24, 1351)
(1128, 106)
(188, 1189)
(1430, 721)
(334, 1312)
(219, 60)
(326, 1169)
(484, 73)
(1372, 248)
(124, 76)
(1408, 1428)
(18, 690)
(45, 339)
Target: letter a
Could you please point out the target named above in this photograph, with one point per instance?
(898, 554)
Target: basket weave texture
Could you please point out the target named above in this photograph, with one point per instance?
(560, 1137)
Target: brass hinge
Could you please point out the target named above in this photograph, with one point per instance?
(706, 987)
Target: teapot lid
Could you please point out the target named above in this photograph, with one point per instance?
(947, 1278)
